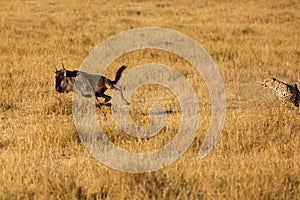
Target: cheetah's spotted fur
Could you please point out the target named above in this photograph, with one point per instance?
(287, 93)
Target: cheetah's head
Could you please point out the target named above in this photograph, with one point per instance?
(269, 82)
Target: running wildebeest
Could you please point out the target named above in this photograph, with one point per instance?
(88, 85)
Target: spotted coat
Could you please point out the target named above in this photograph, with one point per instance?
(286, 93)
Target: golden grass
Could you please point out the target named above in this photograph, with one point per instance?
(257, 155)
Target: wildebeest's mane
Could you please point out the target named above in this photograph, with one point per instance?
(71, 73)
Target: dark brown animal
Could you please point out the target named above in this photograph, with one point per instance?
(88, 85)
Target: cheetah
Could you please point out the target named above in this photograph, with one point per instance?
(287, 93)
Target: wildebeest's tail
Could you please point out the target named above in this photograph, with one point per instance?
(118, 74)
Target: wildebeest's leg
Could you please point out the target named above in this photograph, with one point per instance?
(106, 97)
(123, 98)
(97, 102)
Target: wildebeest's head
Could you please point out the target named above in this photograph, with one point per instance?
(62, 83)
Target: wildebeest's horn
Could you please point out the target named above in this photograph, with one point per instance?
(62, 66)
(55, 69)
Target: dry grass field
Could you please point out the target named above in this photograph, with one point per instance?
(257, 155)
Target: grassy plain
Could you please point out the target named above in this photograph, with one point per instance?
(257, 155)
